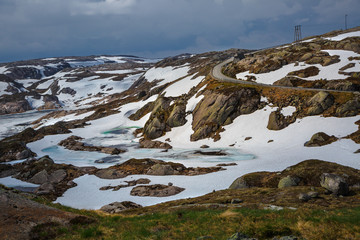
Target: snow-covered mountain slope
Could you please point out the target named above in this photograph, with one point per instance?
(177, 102)
(66, 82)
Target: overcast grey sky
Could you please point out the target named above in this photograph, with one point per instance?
(160, 28)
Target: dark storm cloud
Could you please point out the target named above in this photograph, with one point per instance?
(45, 28)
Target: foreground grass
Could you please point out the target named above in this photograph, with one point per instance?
(220, 224)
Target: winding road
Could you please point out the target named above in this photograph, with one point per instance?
(217, 74)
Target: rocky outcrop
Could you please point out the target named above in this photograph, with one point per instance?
(151, 167)
(306, 173)
(54, 179)
(14, 107)
(277, 121)
(288, 181)
(156, 125)
(145, 143)
(239, 183)
(220, 108)
(177, 115)
(27, 219)
(304, 73)
(161, 170)
(334, 183)
(14, 147)
(157, 190)
(128, 184)
(342, 85)
(50, 102)
(320, 139)
(348, 109)
(110, 174)
(118, 207)
(68, 90)
(74, 143)
(319, 103)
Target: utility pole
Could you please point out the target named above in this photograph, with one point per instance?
(345, 21)
(297, 33)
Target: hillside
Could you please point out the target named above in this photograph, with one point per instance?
(124, 128)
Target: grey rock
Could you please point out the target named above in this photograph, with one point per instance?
(319, 103)
(110, 174)
(313, 194)
(117, 207)
(45, 188)
(239, 183)
(40, 177)
(288, 181)
(334, 183)
(160, 170)
(348, 109)
(304, 197)
(68, 90)
(23, 154)
(14, 107)
(58, 176)
(156, 190)
(276, 121)
(320, 139)
(177, 116)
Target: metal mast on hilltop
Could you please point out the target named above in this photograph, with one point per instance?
(297, 33)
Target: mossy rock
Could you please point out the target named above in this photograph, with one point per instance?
(288, 181)
(348, 109)
(308, 171)
(319, 103)
(320, 139)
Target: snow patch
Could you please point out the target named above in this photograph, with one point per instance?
(166, 74)
(288, 111)
(343, 36)
(182, 86)
(34, 103)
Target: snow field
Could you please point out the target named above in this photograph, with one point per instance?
(166, 74)
(182, 86)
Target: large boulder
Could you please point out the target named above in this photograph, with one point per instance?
(307, 72)
(156, 125)
(110, 174)
(319, 103)
(239, 183)
(320, 139)
(145, 143)
(348, 109)
(288, 181)
(117, 207)
(45, 188)
(157, 190)
(161, 170)
(177, 116)
(277, 121)
(58, 176)
(40, 177)
(334, 183)
(14, 107)
(220, 108)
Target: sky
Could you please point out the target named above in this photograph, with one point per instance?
(160, 28)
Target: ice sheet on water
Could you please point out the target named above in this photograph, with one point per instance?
(13, 123)
(18, 184)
